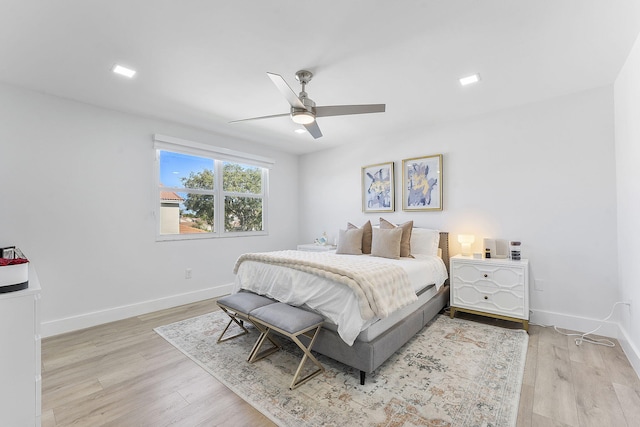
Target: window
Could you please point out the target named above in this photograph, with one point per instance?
(205, 191)
(242, 191)
(187, 193)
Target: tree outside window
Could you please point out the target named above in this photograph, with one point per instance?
(190, 196)
(242, 187)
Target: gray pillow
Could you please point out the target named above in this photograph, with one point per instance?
(350, 242)
(386, 242)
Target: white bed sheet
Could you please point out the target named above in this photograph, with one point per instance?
(335, 301)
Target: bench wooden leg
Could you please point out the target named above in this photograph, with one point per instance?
(307, 355)
(291, 322)
(239, 319)
(256, 355)
(264, 335)
(233, 319)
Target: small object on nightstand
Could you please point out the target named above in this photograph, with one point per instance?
(487, 253)
(515, 251)
(322, 240)
(490, 245)
(502, 249)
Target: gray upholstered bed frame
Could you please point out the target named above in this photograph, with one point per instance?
(368, 356)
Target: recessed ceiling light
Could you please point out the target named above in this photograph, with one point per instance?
(475, 78)
(123, 71)
(300, 130)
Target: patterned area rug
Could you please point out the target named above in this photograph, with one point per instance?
(453, 373)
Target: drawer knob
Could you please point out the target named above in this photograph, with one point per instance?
(486, 275)
(486, 297)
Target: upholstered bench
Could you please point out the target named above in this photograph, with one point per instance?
(238, 306)
(290, 322)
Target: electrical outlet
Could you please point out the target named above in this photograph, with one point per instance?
(539, 285)
(187, 273)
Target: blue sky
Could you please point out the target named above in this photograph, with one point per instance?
(174, 166)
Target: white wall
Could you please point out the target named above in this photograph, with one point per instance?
(541, 173)
(627, 134)
(77, 196)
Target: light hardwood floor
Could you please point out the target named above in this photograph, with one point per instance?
(124, 374)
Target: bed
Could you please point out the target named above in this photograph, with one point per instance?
(359, 335)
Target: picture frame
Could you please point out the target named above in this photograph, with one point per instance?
(8, 252)
(422, 183)
(378, 188)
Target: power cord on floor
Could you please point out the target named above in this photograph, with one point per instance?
(583, 337)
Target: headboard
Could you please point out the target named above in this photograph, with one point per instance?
(444, 246)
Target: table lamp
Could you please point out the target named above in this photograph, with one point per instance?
(466, 240)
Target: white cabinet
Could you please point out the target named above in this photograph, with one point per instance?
(491, 287)
(20, 371)
(312, 247)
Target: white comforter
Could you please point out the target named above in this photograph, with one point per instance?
(335, 300)
(380, 288)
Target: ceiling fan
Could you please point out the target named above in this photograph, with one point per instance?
(304, 110)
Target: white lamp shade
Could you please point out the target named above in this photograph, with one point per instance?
(466, 238)
(465, 241)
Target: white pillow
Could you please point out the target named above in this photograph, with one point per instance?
(425, 241)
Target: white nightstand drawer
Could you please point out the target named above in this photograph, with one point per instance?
(496, 276)
(491, 300)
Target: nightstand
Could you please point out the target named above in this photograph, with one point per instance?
(312, 247)
(491, 287)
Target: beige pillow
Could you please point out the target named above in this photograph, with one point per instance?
(350, 242)
(366, 236)
(385, 243)
(405, 244)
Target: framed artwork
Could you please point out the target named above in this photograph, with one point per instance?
(422, 183)
(378, 188)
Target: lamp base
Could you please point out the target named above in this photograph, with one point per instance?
(466, 249)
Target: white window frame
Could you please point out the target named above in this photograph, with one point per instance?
(219, 156)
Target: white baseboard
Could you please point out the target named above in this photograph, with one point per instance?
(630, 350)
(86, 320)
(583, 324)
(574, 323)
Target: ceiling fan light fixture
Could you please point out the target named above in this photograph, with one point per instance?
(304, 111)
(303, 117)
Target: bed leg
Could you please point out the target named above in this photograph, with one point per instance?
(363, 374)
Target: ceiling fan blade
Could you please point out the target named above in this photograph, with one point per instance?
(313, 129)
(343, 110)
(286, 90)
(260, 118)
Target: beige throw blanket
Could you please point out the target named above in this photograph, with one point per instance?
(380, 288)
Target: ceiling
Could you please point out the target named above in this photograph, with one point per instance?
(203, 63)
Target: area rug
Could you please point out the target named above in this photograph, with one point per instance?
(452, 373)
